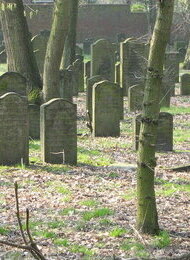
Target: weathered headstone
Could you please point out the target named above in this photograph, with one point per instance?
(87, 66)
(78, 50)
(121, 37)
(133, 63)
(171, 65)
(135, 97)
(165, 93)
(87, 45)
(66, 84)
(14, 129)
(90, 83)
(34, 121)
(74, 79)
(164, 134)
(78, 67)
(13, 82)
(103, 59)
(185, 84)
(58, 132)
(39, 43)
(117, 80)
(106, 109)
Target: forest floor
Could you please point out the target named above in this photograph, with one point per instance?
(88, 211)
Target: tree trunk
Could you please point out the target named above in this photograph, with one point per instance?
(186, 64)
(147, 220)
(70, 44)
(55, 47)
(19, 50)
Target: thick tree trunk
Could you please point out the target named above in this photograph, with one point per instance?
(70, 44)
(55, 47)
(147, 220)
(18, 45)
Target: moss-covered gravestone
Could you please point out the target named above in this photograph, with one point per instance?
(13, 82)
(106, 109)
(164, 134)
(39, 43)
(66, 84)
(135, 97)
(78, 67)
(14, 129)
(185, 84)
(90, 83)
(133, 63)
(58, 132)
(34, 121)
(103, 59)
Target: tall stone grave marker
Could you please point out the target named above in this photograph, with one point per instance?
(13, 129)
(34, 121)
(90, 83)
(87, 66)
(166, 90)
(13, 82)
(135, 97)
(164, 134)
(78, 50)
(103, 59)
(66, 84)
(133, 61)
(106, 109)
(185, 84)
(39, 43)
(58, 132)
(171, 66)
(118, 80)
(78, 67)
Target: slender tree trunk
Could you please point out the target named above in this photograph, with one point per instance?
(18, 45)
(55, 48)
(186, 64)
(147, 219)
(70, 44)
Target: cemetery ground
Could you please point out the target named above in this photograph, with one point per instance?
(88, 211)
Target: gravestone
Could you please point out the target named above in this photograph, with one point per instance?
(66, 84)
(117, 73)
(58, 132)
(103, 59)
(171, 66)
(165, 93)
(78, 67)
(39, 43)
(87, 45)
(121, 37)
(90, 83)
(87, 66)
(74, 79)
(185, 84)
(13, 82)
(78, 50)
(133, 63)
(14, 129)
(106, 109)
(164, 133)
(135, 97)
(34, 121)
(3, 55)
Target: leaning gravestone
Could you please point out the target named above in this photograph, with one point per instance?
(66, 84)
(106, 109)
(13, 129)
(164, 133)
(58, 131)
(185, 84)
(90, 83)
(39, 43)
(13, 82)
(133, 63)
(103, 59)
(34, 121)
(135, 97)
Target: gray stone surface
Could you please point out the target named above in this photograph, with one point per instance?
(135, 97)
(106, 109)
(117, 73)
(39, 43)
(66, 84)
(165, 132)
(87, 66)
(103, 59)
(13, 82)
(14, 129)
(58, 132)
(78, 67)
(185, 84)
(133, 63)
(78, 50)
(34, 121)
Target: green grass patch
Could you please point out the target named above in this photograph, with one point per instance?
(117, 232)
(4, 230)
(67, 211)
(59, 187)
(136, 248)
(81, 249)
(3, 68)
(176, 110)
(181, 136)
(130, 194)
(45, 234)
(97, 213)
(162, 240)
(169, 189)
(55, 224)
(34, 145)
(61, 242)
(100, 160)
(105, 222)
(89, 203)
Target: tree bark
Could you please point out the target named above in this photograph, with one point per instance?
(186, 64)
(147, 219)
(18, 45)
(55, 48)
(70, 44)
